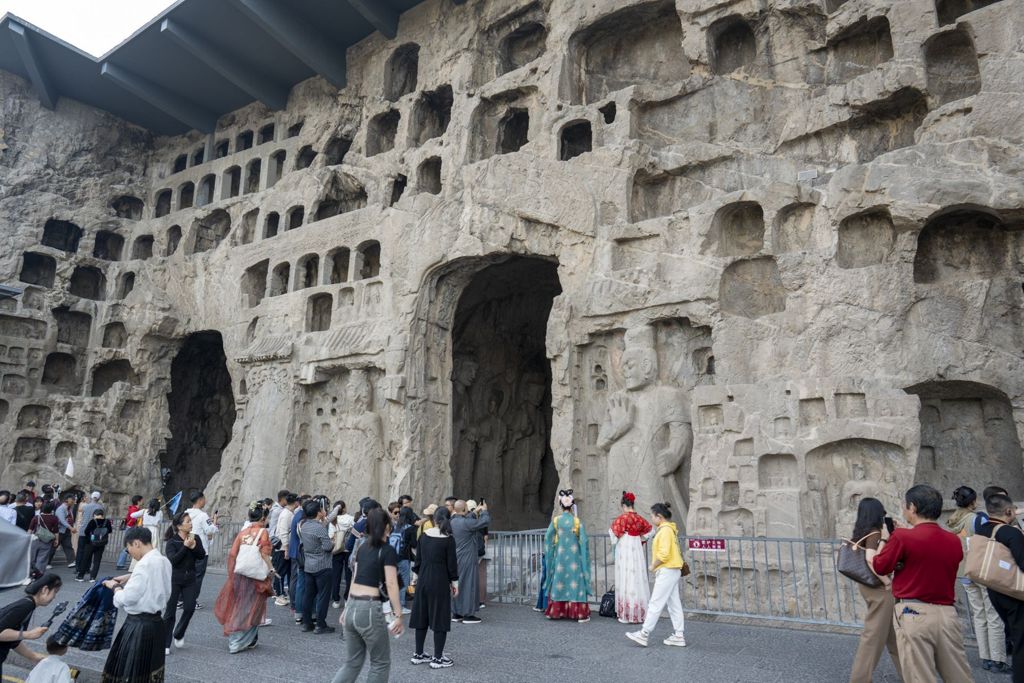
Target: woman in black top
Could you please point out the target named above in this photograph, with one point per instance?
(93, 542)
(14, 619)
(365, 629)
(1002, 515)
(183, 549)
(437, 582)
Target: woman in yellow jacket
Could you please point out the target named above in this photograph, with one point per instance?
(667, 565)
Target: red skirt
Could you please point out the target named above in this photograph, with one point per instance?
(567, 610)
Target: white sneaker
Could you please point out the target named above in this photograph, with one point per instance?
(638, 637)
(281, 601)
(167, 651)
(267, 622)
(179, 643)
(676, 639)
(335, 605)
(406, 610)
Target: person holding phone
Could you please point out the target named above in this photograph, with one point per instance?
(15, 618)
(878, 633)
(204, 527)
(184, 550)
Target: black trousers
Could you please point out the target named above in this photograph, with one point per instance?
(316, 591)
(64, 538)
(187, 593)
(1011, 611)
(339, 570)
(283, 566)
(200, 574)
(89, 557)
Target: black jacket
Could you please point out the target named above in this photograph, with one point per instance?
(183, 560)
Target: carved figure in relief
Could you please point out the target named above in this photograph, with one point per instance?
(647, 432)
(853, 491)
(490, 459)
(361, 437)
(528, 443)
(464, 430)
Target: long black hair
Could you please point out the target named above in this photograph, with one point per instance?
(172, 530)
(443, 520)
(154, 507)
(870, 517)
(377, 523)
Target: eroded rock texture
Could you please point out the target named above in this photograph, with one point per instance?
(759, 259)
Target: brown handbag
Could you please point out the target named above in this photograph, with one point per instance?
(852, 562)
(991, 564)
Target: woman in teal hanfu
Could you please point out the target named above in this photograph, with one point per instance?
(567, 556)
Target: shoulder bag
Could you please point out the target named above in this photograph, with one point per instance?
(852, 562)
(991, 564)
(249, 561)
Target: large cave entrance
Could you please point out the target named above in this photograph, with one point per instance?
(202, 413)
(501, 392)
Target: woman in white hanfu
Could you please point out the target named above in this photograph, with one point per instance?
(629, 533)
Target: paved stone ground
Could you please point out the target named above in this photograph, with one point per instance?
(512, 644)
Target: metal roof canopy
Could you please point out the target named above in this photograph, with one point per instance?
(201, 59)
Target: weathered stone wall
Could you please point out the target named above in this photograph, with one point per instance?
(787, 246)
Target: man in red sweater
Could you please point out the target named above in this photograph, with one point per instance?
(925, 559)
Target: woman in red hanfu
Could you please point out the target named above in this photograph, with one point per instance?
(629, 533)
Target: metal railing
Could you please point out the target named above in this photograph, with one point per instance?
(217, 549)
(781, 579)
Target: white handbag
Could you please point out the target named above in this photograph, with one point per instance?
(249, 561)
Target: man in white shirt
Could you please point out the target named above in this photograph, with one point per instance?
(282, 563)
(138, 651)
(205, 528)
(7, 512)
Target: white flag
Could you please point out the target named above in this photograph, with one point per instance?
(69, 471)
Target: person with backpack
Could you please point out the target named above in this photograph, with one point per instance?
(339, 529)
(403, 540)
(45, 526)
(94, 542)
(1000, 526)
(988, 627)
(317, 550)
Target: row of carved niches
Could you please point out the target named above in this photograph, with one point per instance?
(222, 147)
(785, 462)
(632, 412)
(341, 265)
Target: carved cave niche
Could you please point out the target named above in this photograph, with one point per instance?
(968, 435)
(207, 188)
(221, 149)
(38, 269)
(859, 50)
(244, 141)
(231, 185)
(336, 150)
(107, 374)
(367, 261)
(962, 245)
(401, 72)
(305, 158)
(521, 46)
(247, 228)
(277, 167)
(210, 230)
(501, 124)
(576, 138)
(865, 239)
(951, 66)
(381, 132)
(115, 336)
(163, 203)
(279, 280)
(794, 229)
(267, 133)
(308, 271)
(778, 471)
(948, 11)
(343, 193)
(108, 246)
(142, 249)
(338, 262)
(128, 207)
(732, 44)
(72, 327)
(736, 230)
(295, 129)
(63, 235)
(88, 282)
(272, 225)
(199, 155)
(428, 176)
(34, 417)
(31, 450)
(398, 187)
(253, 173)
(752, 288)
(173, 240)
(318, 312)
(14, 385)
(254, 283)
(839, 475)
(61, 374)
(180, 163)
(186, 195)
(201, 412)
(4, 409)
(295, 217)
(125, 285)
(638, 45)
(431, 115)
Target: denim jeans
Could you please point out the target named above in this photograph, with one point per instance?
(366, 631)
(122, 559)
(405, 571)
(298, 583)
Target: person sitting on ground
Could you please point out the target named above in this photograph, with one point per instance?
(52, 668)
(927, 626)
(1000, 525)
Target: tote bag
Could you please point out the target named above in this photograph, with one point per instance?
(852, 562)
(249, 561)
(991, 564)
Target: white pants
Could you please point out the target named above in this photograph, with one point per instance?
(988, 627)
(665, 593)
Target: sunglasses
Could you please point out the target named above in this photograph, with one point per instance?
(565, 492)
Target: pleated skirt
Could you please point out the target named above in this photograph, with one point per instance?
(137, 655)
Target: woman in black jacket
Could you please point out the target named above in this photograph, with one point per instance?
(437, 582)
(183, 549)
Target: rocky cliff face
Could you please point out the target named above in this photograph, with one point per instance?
(758, 259)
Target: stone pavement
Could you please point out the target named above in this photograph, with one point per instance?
(512, 644)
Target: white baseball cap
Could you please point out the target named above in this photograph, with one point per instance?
(95, 495)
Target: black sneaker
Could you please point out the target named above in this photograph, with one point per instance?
(456, 617)
(420, 659)
(442, 662)
(320, 630)
(471, 620)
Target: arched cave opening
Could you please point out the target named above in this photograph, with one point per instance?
(201, 407)
(501, 396)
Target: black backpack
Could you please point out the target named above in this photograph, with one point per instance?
(607, 608)
(99, 534)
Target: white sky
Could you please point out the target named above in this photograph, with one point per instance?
(94, 26)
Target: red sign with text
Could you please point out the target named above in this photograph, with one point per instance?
(706, 545)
